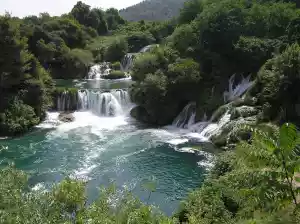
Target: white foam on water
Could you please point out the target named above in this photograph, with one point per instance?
(51, 121)
(88, 119)
(83, 172)
(208, 162)
(186, 150)
(178, 141)
(39, 187)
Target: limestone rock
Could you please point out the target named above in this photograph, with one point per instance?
(66, 117)
(247, 111)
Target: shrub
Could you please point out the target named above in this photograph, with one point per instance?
(116, 65)
(73, 64)
(277, 81)
(18, 118)
(116, 50)
(183, 39)
(138, 40)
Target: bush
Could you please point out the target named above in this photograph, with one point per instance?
(73, 64)
(151, 62)
(143, 65)
(18, 118)
(116, 65)
(138, 40)
(253, 52)
(277, 81)
(115, 75)
(116, 50)
(183, 39)
(67, 203)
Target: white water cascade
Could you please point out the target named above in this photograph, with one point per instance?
(148, 48)
(99, 70)
(237, 91)
(187, 116)
(112, 103)
(127, 62)
(64, 102)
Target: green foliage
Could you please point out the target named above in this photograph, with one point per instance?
(18, 118)
(183, 39)
(138, 40)
(190, 11)
(113, 19)
(66, 203)
(93, 18)
(277, 81)
(116, 65)
(145, 64)
(253, 184)
(116, 74)
(24, 85)
(116, 50)
(73, 64)
(253, 52)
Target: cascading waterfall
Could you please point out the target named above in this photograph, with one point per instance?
(99, 70)
(112, 103)
(148, 48)
(187, 116)
(235, 92)
(127, 62)
(66, 101)
(207, 129)
(215, 128)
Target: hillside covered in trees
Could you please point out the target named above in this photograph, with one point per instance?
(254, 180)
(153, 10)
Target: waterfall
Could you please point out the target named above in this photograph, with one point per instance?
(187, 116)
(99, 70)
(148, 48)
(235, 92)
(204, 129)
(66, 101)
(112, 103)
(215, 128)
(127, 62)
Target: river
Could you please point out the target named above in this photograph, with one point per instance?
(108, 150)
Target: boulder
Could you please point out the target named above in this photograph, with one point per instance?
(66, 117)
(141, 114)
(247, 111)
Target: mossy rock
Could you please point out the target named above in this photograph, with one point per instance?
(235, 113)
(66, 117)
(247, 111)
(220, 112)
(116, 65)
(141, 114)
(115, 75)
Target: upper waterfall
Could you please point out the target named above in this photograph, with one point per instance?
(239, 89)
(99, 70)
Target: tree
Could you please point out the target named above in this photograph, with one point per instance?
(24, 85)
(81, 12)
(113, 18)
(190, 11)
(116, 50)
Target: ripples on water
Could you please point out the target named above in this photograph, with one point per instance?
(103, 150)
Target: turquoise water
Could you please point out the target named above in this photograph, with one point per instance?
(106, 150)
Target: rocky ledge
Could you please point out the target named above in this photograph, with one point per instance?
(66, 117)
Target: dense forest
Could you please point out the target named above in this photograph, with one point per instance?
(153, 10)
(255, 180)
